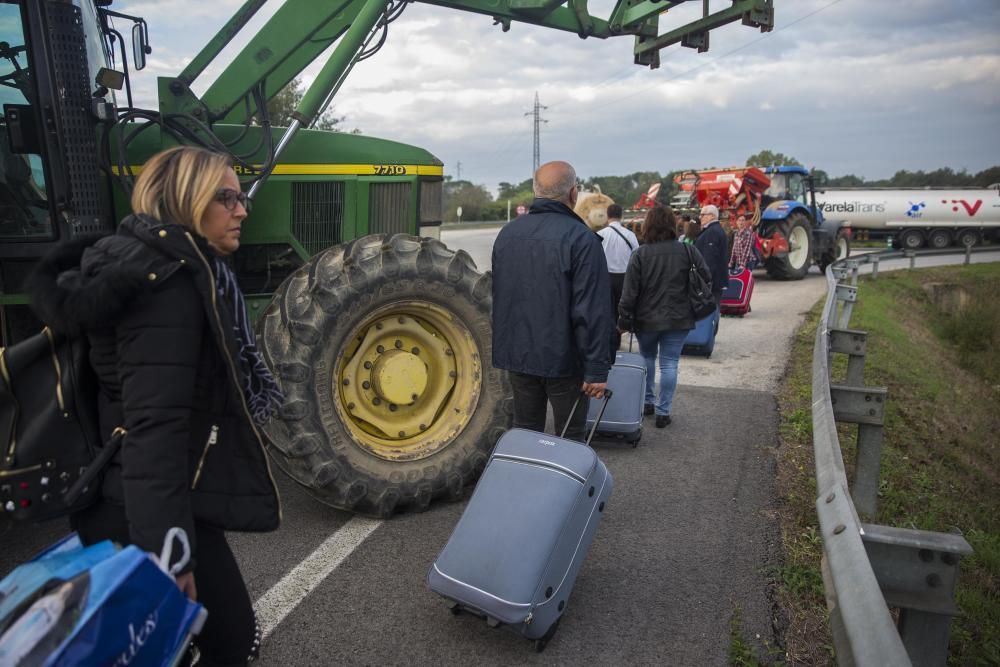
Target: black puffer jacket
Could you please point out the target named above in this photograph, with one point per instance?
(655, 296)
(164, 352)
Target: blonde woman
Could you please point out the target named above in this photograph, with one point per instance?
(178, 369)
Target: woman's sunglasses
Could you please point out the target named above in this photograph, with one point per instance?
(229, 197)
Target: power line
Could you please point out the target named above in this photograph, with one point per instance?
(537, 152)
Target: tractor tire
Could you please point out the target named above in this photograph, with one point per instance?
(382, 347)
(795, 265)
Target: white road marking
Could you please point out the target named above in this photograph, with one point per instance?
(294, 587)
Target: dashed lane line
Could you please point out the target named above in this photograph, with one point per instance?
(277, 603)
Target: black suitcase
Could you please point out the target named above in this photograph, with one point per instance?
(515, 553)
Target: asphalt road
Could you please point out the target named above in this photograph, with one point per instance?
(687, 541)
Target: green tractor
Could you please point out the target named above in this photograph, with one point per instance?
(379, 334)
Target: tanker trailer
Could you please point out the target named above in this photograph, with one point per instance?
(915, 217)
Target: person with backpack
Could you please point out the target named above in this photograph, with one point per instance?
(619, 244)
(179, 372)
(655, 305)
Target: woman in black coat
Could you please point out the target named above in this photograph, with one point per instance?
(656, 307)
(180, 374)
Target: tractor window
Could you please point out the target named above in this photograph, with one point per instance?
(779, 186)
(796, 188)
(24, 207)
(98, 54)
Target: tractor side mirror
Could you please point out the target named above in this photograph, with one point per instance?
(140, 46)
(109, 78)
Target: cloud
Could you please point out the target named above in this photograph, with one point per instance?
(845, 85)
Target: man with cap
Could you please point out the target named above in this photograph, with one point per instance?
(713, 245)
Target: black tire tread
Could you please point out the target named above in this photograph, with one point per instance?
(336, 283)
(779, 268)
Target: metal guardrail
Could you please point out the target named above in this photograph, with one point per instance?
(868, 568)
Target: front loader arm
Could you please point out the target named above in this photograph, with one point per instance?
(303, 29)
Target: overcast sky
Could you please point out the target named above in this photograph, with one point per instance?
(848, 86)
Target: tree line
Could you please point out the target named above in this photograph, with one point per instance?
(479, 204)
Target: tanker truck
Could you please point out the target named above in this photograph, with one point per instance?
(915, 217)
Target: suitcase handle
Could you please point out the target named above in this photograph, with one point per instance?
(607, 398)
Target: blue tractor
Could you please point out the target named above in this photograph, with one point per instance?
(792, 227)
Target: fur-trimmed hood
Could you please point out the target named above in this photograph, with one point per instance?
(86, 283)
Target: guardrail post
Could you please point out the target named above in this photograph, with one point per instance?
(854, 344)
(917, 571)
(968, 254)
(846, 295)
(864, 406)
(875, 259)
(913, 258)
(852, 266)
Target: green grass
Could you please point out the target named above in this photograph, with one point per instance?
(941, 458)
(743, 653)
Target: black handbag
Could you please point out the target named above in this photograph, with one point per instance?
(699, 291)
(52, 454)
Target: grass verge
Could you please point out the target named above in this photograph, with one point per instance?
(940, 456)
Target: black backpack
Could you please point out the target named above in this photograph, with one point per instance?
(51, 448)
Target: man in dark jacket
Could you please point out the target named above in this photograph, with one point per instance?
(552, 324)
(714, 247)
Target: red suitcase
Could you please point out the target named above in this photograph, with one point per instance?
(736, 296)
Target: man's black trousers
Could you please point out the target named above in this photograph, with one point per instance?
(532, 394)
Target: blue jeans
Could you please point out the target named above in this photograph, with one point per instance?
(667, 345)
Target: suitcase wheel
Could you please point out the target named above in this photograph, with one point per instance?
(541, 643)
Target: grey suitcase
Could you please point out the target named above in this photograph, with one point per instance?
(514, 555)
(623, 418)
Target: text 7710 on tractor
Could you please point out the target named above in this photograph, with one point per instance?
(378, 334)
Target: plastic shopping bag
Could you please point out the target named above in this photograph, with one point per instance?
(97, 605)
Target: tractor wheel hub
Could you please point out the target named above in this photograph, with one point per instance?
(399, 377)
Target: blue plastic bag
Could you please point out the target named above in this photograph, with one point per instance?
(120, 610)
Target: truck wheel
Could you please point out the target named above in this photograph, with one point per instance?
(939, 239)
(911, 239)
(795, 264)
(967, 238)
(382, 347)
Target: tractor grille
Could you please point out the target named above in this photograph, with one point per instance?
(431, 201)
(69, 54)
(388, 208)
(318, 214)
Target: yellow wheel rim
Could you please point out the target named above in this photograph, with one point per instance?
(408, 381)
